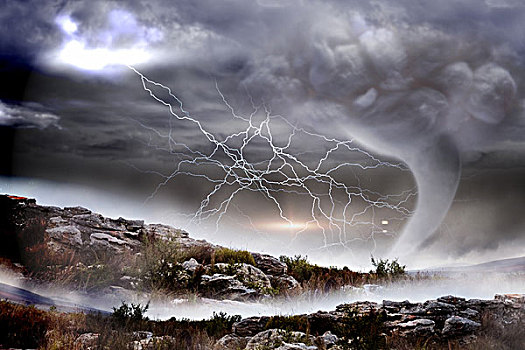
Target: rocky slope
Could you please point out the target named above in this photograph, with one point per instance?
(85, 250)
(391, 324)
(446, 323)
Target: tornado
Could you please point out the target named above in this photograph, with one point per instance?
(437, 171)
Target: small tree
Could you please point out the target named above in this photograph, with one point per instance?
(386, 268)
(132, 313)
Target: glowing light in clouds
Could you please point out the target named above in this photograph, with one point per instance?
(76, 52)
(67, 25)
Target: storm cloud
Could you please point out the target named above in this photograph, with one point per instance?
(437, 86)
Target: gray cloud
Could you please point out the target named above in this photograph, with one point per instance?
(29, 116)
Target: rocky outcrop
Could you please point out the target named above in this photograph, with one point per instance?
(86, 238)
(439, 321)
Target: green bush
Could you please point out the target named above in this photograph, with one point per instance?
(232, 256)
(132, 312)
(300, 268)
(386, 268)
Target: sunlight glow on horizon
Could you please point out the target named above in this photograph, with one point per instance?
(285, 226)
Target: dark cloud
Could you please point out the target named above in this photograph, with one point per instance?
(28, 27)
(437, 85)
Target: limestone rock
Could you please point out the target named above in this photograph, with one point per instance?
(269, 264)
(87, 341)
(279, 339)
(153, 343)
(250, 326)
(100, 240)
(226, 287)
(329, 340)
(68, 235)
(285, 283)
(231, 342)
(190, 265)
(459, 326)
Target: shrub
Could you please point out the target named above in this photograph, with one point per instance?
(220, 324)
(159, 264)
(22, 326)
(296, 323)
(299, 267)
(361, 331)
(232, 256)
(319, 278)
(132, 312)
(386, 268)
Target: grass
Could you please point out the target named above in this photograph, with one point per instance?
(23, 327)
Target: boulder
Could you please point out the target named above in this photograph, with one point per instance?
(104, 241)
(469, 313)
(253, 276)
(279, 339)
(459, 326)
(417, 328)
(420, 322)
(248, 275)
(69, 235)
(190, 265)
(451, 299)
(329, 340)
(269, 264)
(323, 319)
(396, 306)
(285, 283)
(231, 342)
(225, 287)
(153, 343)
(140, 335)
(250, 326)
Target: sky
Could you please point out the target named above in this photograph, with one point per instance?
(333, 129)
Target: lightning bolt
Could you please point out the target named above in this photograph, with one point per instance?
(281, 173)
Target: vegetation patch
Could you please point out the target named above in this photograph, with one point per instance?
(232, 256)
(361, 331)
(387, 269)
(324, 279)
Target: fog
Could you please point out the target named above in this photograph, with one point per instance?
(469, 286)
